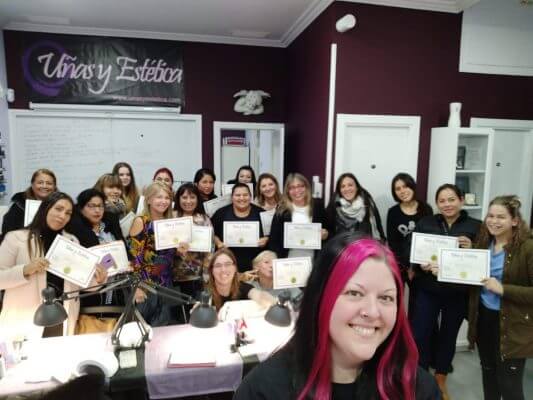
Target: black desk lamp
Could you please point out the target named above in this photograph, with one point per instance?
(279, 314)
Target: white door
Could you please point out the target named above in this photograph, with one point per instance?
(375, 148)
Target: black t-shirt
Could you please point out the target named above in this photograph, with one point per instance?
(244, 255)
(272, 380)
(244, 289)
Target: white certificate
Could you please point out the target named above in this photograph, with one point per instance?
(30, 209)
(466, 266)
(117, 249)
(169, 233)
(71, 261)
(425, 248)
(211, 206)
(302, 236)
(266, 220)
(140, 206)
(291, 272)
(202, 239)
(241, 234)
(126, 223)
(227, 188)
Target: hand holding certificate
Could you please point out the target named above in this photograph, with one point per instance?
(465, 266)
(290, 272)
(302, 236)
(71, 261)
(169, 233)
(425, 248)
(241, 234)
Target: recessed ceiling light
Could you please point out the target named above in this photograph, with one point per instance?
(41, 19)
(249, 34)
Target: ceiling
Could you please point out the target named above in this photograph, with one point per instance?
(252, 22)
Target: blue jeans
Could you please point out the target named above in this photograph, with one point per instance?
(451, 306)
(154, 311)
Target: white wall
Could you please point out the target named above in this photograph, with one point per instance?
(4, 120)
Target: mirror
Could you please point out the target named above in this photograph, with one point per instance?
(260, 145)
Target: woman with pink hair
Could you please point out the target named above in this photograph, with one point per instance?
(352, 339)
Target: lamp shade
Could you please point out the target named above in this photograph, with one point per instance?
(51, 312)
(279, 314)
(204, 315)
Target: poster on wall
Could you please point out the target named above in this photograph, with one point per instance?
(103, 70)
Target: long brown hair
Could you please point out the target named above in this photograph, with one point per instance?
(259, 197)
(520, 232)
(130, 193)
(285, 203)
(211, 285)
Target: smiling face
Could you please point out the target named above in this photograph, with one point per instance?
(163, 177)
(245, 176)
(206, 185)
(348, 188)
(241, 199)
(403, 192)
(297, 192)
(159, 202)
(112, 193)
(59, 215)
(188, 202)
(267, 188)
(499, 222)
(125, 176)
(94, 210)
(449, 203)
(43, 185)
(363, 315)
(224, 269)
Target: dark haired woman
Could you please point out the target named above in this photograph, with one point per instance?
(434, 297)
(43, 182)
(245, 174)
(402, 218)
(352, 339)
(241, 209)
(205, 179)
(267, 194)
(23, 271)
(93, 226)
(190, 265)
(500, 312)
(130, 193)
(352, 209)
(298, 206)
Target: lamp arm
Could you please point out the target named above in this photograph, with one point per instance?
(167, 293)
(98, 289)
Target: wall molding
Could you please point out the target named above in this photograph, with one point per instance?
(304, 20)
(449, 6)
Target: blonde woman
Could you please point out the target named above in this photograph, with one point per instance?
(296, 205)
(151, 264)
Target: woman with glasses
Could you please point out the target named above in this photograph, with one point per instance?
(296, 205)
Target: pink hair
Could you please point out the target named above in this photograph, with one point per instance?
(165, 170)
(401, 338)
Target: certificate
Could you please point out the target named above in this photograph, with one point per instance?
(266, 220)
(291, 272)
(140, 206)
(30, 209)
(71, 261)
(117, 250)
(425, 248)
(126, 223)
(466, 266)
(228, 187)
(202, 239)
(211, 206)
(241, 234)
(302, 236)
(169, 233)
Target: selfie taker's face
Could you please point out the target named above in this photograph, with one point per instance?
(363, 315)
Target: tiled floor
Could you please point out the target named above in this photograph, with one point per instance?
(465, 382)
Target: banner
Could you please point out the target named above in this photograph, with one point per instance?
(103, 70)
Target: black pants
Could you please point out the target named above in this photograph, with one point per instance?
(501, 378)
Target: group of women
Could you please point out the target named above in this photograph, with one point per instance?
(352, 337)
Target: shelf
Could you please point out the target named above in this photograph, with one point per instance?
(469, 171)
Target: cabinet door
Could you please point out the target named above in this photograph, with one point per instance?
(375, 149)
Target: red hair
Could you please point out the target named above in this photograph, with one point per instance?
(397, 352)
(165, 170)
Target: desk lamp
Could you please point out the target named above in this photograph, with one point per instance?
(279, 314)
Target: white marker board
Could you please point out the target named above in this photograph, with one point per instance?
(81, 146)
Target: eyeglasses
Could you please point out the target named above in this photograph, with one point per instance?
(227, 264)
(298, 186)
(95, 206)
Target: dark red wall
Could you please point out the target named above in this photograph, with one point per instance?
(213, 74)
(395, 61)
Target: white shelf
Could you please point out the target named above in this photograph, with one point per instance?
(469, 171)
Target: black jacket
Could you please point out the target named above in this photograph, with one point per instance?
(14, 218)
(276, 238)
(80, 228)
(436, 225)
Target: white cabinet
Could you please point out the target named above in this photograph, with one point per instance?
(462, 156)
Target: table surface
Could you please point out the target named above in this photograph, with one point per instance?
(58, 357)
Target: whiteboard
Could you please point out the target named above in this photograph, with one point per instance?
(81, 146)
